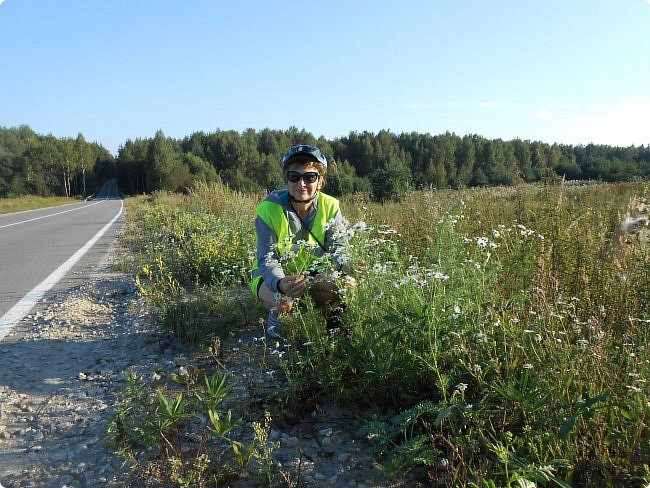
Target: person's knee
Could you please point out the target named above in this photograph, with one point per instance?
(280, 307)
(322, 292)
(274, 301)
(325, 292)
(349, 282)
(284, 306)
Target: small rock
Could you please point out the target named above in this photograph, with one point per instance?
(288, 441)
(328, 446)
(59, 454)
(310, 452)
(343, 458)
(325, 432)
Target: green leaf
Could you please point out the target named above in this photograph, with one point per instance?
(627, 414)
(567, 427)
(444, 413)
(242, 455)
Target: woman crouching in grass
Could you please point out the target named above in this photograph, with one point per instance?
(296, 230)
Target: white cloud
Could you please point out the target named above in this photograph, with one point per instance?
(568, 106)
(542, 113)
(615, 122)
(621, 122)
(491, 104)
(425, 105)
(452, 105)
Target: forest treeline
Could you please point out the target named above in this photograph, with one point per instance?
(385, 164)
(33, 164)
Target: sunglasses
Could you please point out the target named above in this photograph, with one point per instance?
(309, 177)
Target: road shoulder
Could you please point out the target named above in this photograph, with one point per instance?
(59, 379)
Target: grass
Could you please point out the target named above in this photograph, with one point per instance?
(500, 335)
(19, 204)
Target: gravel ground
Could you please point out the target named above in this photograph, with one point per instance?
(61, 370)
(64, 365)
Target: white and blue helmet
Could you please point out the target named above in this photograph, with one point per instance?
(304, 150)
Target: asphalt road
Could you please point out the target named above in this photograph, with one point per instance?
(39, 248)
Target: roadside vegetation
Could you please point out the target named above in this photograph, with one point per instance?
(31, 202)
(499, 336)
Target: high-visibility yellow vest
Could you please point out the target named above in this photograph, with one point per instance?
(273, 215)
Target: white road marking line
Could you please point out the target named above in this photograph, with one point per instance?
(50, 215)
(16, 313)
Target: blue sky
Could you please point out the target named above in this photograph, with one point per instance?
(569, 71)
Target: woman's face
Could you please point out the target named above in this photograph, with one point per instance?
(308, 184)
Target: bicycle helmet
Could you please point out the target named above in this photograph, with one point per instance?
(304, 150)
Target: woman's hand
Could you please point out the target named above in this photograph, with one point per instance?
(293, 286)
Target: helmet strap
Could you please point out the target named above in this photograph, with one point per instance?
(303, 201)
